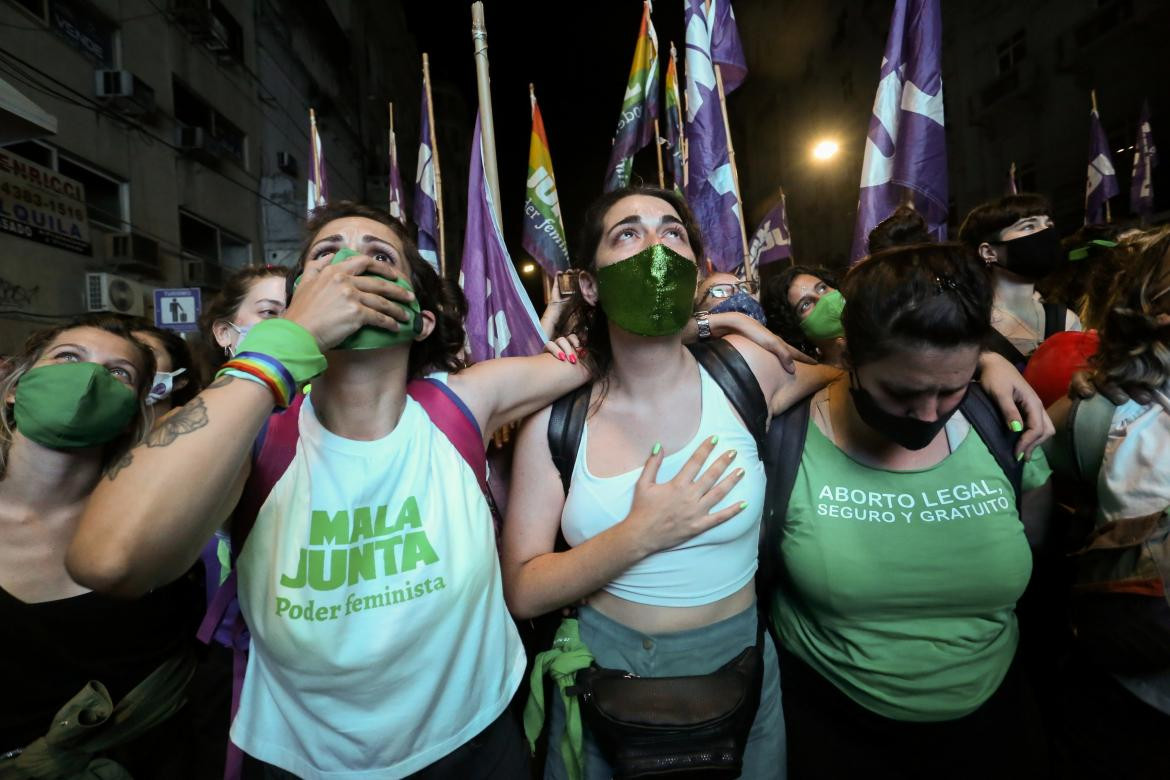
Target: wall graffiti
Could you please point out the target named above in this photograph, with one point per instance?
(15, 295)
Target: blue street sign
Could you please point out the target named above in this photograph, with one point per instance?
(177, 309)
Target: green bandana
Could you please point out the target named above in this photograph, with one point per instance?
(650, 293)
(567, 656)
(824, 321)
(66, 406)
(1083, 252)
(368, 336)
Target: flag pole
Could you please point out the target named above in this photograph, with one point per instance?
(682, 141)
(731, 161)
(658, 149)
(487, 128)
(426, 64)
(393, 152)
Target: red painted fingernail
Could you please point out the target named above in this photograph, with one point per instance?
(573, 359)
(560, 356)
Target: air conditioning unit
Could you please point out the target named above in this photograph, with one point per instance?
(197, 142)
(134, 251)
(202, 273)
(124, 92)
(109, 292)
(286, 163)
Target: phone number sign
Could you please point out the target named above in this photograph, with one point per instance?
(40, 204)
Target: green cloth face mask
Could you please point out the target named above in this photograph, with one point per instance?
(650, 293)
(67, 406)
(368, 336)
(824, 322)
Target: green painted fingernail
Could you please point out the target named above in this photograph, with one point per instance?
(714, 440)
(743, 505)
(656, 450)
(1016, 426)
(1020, 456)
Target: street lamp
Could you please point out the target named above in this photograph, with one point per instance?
(825, 149)
(528, 269)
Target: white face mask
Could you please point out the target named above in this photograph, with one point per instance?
(230, 348)
(164, 384)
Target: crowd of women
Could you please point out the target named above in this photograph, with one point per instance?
(719, 556)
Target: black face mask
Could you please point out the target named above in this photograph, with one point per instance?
(903, 431)
(1034, 256)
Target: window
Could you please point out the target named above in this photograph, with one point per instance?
(223, 138)
(205, 241)
(107, 203)
(1011, 52)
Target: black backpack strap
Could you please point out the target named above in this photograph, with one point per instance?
(999, 344)
(984, 416)
(782, 451)
(735, 378)
(566, 422)
(1055, 316)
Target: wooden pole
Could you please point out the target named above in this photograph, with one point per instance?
(393, 154)
(680, 108)
(487, 128)
(658, 148)
(435, 162)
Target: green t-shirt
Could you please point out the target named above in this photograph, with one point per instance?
(901, 585)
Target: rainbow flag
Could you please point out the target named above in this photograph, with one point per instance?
(544, 231)
(635, 128)
(318, 182)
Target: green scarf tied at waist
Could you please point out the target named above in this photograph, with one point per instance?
(90, 724)
(567, 655)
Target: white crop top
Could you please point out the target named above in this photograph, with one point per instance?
(712, 565)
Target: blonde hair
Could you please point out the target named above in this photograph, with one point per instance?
(1135, 347)
(34, 349)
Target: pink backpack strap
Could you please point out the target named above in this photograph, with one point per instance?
(451, 416)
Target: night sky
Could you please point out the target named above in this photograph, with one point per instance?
(578, 57)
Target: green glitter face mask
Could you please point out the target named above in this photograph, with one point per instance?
(650, 293)
(369, 337)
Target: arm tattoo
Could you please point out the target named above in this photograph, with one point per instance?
(118, 465)
(221, 382)
(187, 419)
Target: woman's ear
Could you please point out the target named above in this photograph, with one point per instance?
(588, 286)
(987, 254)
(426, 320)
(222, 333)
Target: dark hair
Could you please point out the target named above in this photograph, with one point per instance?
(34, 349)
(225, 307)
(1134, 348)
(589, 323)
(1073, 280)
(904, 226)
(442, 349)
(926, 294)
(984, 222)
(178, 352)
(782, 317)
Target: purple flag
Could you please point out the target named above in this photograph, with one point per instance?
(726, 50)
(397, 203)
(426, 208)
(710, 185)
(1145, 157)
(1101, 183)
(772, 241)
(906, 147)
(500, 319)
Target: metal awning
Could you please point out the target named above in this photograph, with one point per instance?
(22, 119)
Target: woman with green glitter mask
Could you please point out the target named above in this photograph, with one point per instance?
(74, 401)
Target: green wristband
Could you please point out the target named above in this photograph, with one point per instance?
(289, 344)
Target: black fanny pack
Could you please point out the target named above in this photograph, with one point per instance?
(678, 727)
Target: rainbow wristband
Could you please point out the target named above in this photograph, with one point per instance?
(279, 354)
